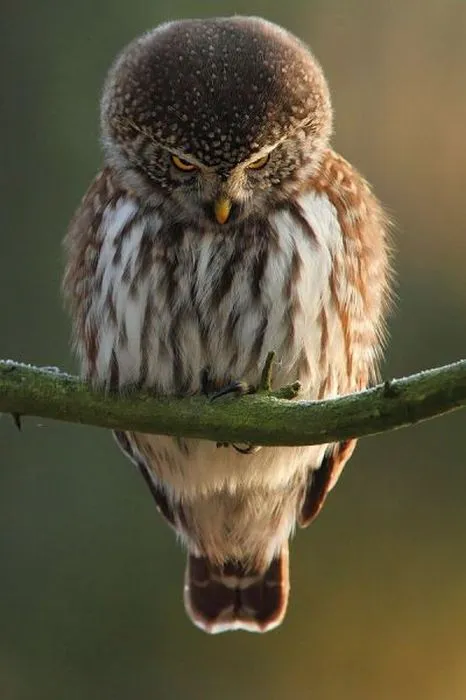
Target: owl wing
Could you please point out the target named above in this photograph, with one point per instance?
(359, 284)
(83, 244)
(108, 248)
(322, 480)
(125, 444)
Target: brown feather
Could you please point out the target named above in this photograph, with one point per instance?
(219, 599)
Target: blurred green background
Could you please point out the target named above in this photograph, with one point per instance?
(91, 578)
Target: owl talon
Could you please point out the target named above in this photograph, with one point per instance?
(236, 388)
(250, 449)
(239, 388)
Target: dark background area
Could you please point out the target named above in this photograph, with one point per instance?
(91, 578)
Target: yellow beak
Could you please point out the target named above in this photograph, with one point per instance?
(222, 208)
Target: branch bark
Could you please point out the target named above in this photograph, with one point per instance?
(264, 418)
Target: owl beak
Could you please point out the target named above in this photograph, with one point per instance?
(222, 208)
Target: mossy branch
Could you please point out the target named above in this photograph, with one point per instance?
(262, 418)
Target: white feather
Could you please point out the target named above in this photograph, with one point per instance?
(203, 470)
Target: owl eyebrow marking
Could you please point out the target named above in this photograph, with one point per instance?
(144, 131)
(265, 151)
(184, 156)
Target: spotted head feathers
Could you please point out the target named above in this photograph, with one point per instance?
(222, 93)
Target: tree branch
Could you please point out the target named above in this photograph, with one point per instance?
(263, 418)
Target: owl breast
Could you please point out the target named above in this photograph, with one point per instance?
(167, 304)
(158, 304)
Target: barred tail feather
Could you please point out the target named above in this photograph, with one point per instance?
(231, 597)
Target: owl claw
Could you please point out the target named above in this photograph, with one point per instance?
(236, 388)
(249, 449)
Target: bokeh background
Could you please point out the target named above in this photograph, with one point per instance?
(91, 578)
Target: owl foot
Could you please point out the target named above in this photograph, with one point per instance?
(238, 389)
(208, 388)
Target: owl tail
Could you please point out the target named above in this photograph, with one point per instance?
(230, 597)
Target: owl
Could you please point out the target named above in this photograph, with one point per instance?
(221, 227)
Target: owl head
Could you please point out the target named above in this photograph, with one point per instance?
(217, 120)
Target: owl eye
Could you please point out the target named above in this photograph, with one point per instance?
(259, 163)
(182, 164)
